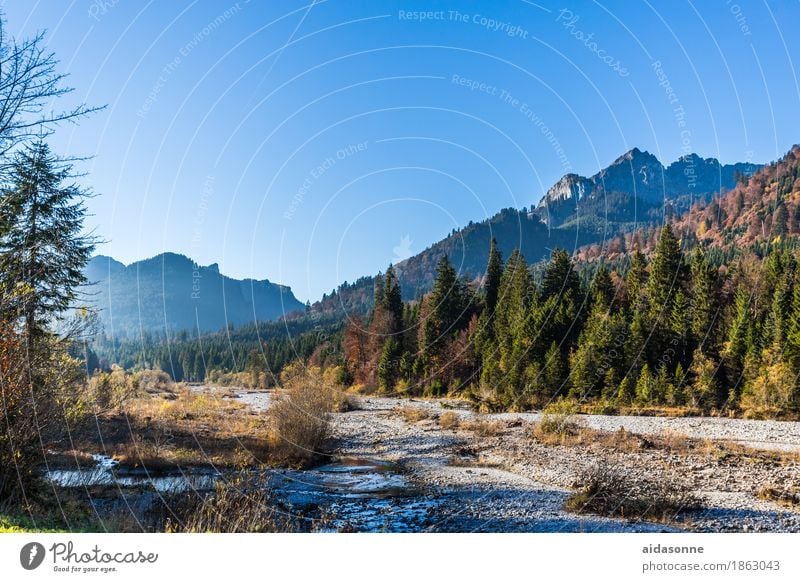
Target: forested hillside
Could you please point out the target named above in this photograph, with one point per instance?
(703, 313)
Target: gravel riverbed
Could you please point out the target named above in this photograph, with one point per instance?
(510, 482)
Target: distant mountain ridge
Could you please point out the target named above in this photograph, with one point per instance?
(762, 210)
(172, 292)
(636, 188)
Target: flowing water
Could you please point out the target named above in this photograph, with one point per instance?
(355, 494)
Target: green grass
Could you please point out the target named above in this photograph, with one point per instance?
(10, 523)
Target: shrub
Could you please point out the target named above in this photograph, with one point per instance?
(413, 413)
(108, 390)
(39, 396)
(402, 387)
(152, 381)
(558, 420)
(252, 379)
(300, 416)
(604, 490)
(782, 496)
(483, 427)
(449, 420)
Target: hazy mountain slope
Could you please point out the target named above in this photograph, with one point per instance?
(170, 291)
(467, 249)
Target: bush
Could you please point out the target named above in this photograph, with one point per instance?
(109, 390)
(152, 381)
(252, 379)
(604, 490)
(413, 413)
(449, 420)
(40, 396)
(558, 419)
(483, 427)
(300, 416)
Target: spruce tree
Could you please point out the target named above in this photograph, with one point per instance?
(511, 345)
(391, 299)
(560, 276)
(494, 272)
(666, 274)
(739, 335)
(703, 304)
(445, 314)
(602, 287)
(448, 299)
(636, 280)
(779, 321)
(43, 250)
(793, 330)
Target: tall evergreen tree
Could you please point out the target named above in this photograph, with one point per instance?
(792, 348)
(703, 305)
(510, 346)
(636, 280)
(43, 250)
(739, 335)
(560, 276)
(445, 312)
(494, 272)
(666, 274)
(778, 324)
(391, 299)
(602, 287)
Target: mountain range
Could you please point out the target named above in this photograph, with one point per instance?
(763, 209)
(636, 190)
(171, 292)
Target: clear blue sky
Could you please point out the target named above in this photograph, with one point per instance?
(232, 130)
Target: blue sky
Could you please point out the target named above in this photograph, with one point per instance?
(311, 144)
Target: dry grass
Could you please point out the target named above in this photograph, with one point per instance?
(483, 427)
(604, 490)
(299, 418)
(558, 424)
(473, 462)
(782, 496)
(243, 506)
(675, 442)
(660, 411)
(413, 414)
(732, 451)
(672, 442)
(191, 428)
(167, 426)
(449, 420)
